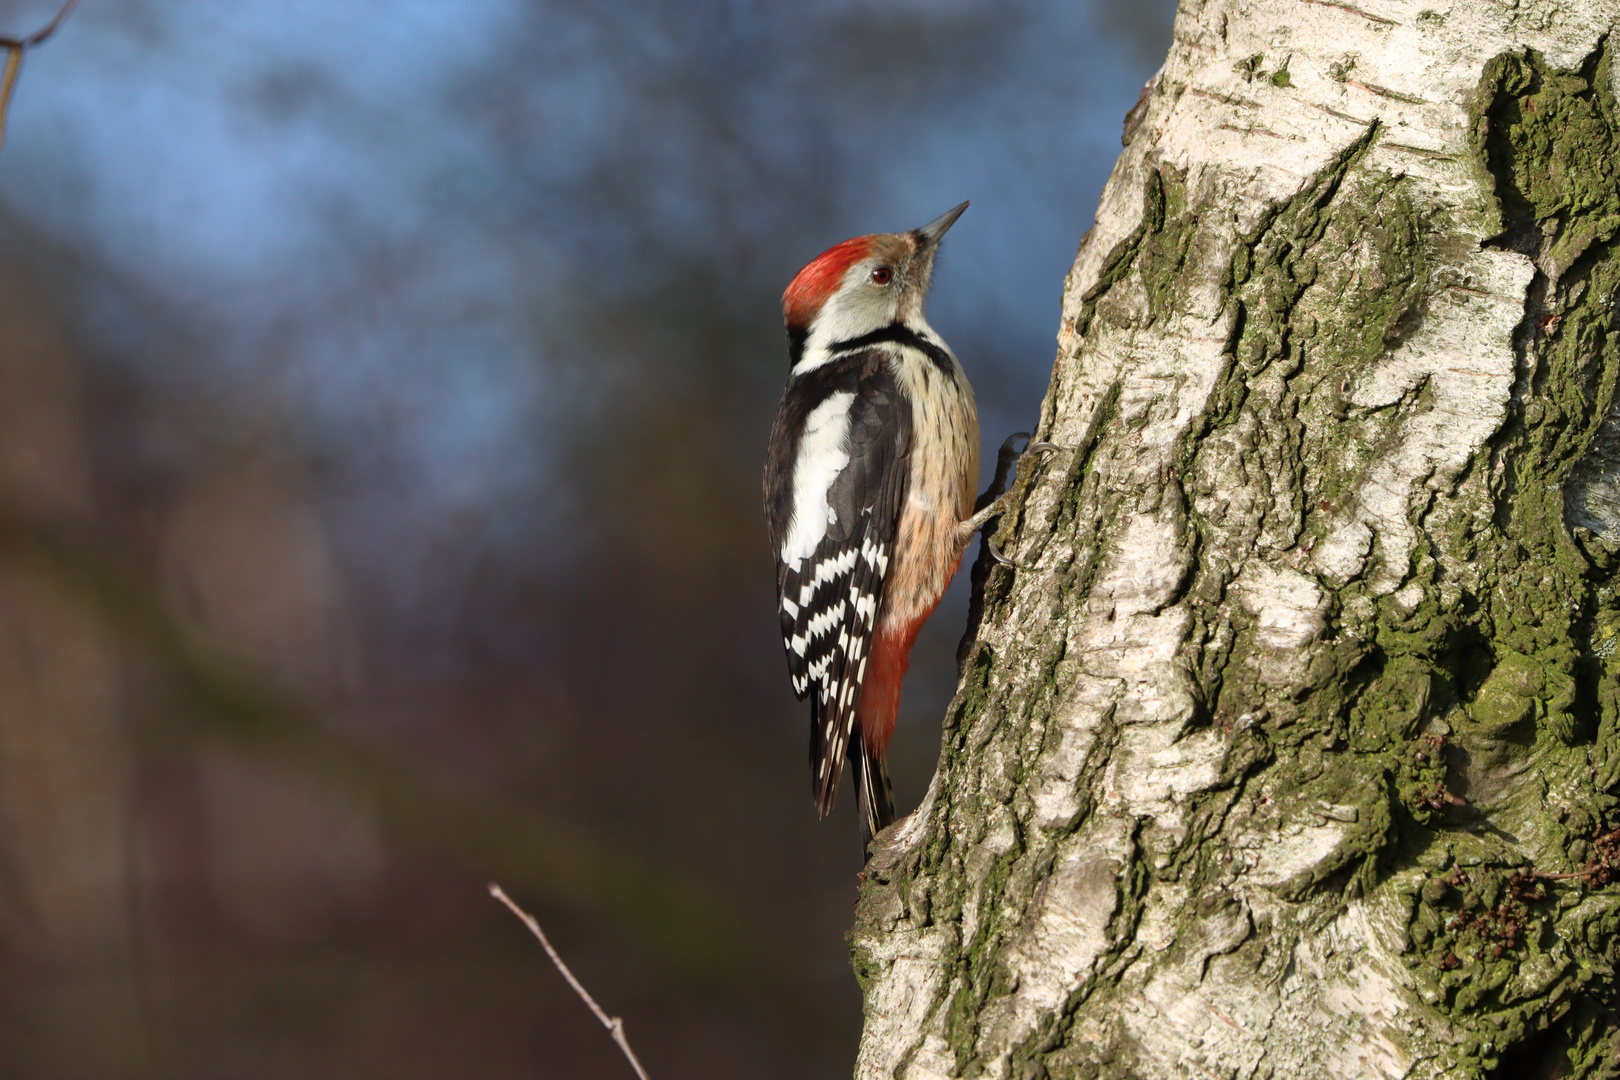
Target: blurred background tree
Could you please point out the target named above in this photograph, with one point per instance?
(383, 388)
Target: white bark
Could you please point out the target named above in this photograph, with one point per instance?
(1155, 847)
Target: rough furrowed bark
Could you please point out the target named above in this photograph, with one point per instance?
(1269, 758)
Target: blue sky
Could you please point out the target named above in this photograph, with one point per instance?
(380, 220)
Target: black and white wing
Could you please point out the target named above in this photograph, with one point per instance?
(834, 484)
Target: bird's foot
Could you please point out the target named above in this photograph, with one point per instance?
(994, 500)
(977, 521)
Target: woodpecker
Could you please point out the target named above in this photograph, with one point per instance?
(869, 492)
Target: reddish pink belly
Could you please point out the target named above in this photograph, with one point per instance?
(885, 668)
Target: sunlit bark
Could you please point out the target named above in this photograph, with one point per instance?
(1266, 758)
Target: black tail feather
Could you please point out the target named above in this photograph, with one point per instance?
(872, 788)
(825, 768)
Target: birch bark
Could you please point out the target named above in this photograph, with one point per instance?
(1262, 761)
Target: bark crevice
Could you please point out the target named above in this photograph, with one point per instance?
(1307, 683)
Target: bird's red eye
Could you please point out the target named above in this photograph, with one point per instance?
(882, 275)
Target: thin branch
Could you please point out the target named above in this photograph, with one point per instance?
(15, 47)
(38, 36)
(8, 79)
(612, 1023)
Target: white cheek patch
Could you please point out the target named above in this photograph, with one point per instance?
(848, 314)
(823, 453)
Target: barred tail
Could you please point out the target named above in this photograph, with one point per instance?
(872, 787)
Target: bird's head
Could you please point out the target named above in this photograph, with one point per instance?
(863, 285)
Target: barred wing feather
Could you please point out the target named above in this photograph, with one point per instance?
(833, 501)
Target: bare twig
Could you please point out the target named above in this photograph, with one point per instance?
(612, 1023)
(14, 47)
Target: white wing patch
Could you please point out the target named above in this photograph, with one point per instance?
(823, 453)
(835, 556)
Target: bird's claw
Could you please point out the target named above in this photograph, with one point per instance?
(1004, 462)
(1007, 443)
(995, 553)
(1029, 447)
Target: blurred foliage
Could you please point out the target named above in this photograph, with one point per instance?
(382, 393)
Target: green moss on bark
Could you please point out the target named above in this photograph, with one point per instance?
(1438, 733)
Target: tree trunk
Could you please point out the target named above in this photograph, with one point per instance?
(1264, 758)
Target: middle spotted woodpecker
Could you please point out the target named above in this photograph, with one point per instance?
(869, 492)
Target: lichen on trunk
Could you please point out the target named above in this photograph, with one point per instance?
(1289, 748)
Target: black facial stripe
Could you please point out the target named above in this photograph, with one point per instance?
(796, 338)
(899, 334)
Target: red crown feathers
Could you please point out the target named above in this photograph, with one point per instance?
(809, 290)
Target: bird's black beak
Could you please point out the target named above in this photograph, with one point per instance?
(930, 234)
